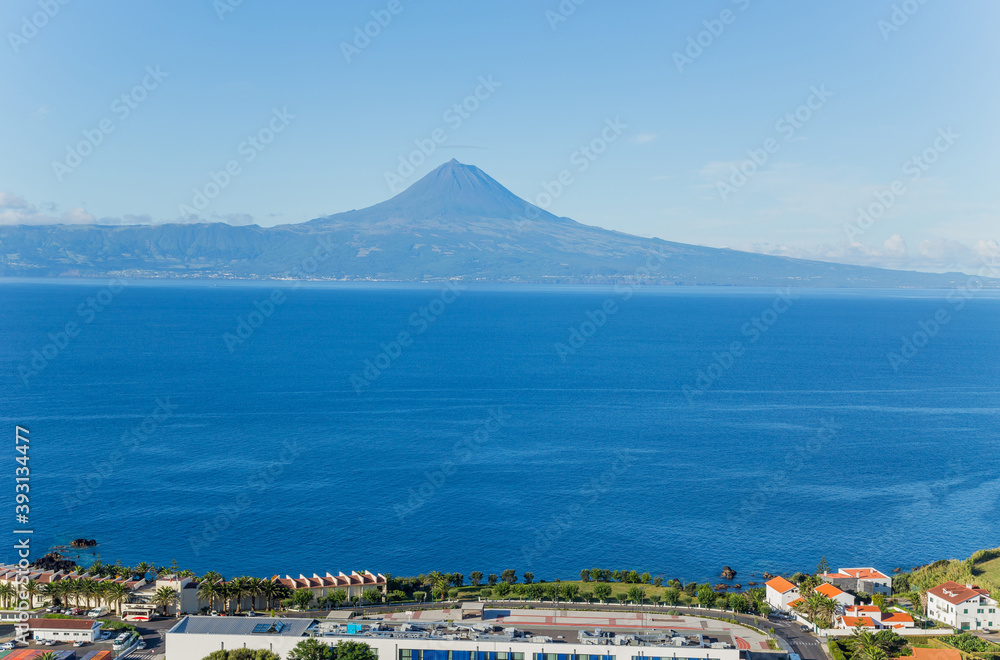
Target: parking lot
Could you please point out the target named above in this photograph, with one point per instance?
(152, 633)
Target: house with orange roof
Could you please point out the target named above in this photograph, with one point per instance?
(780, 593)
(936, 654)
(842, 598)
(865, 580)
(962, 606)
(871, 617)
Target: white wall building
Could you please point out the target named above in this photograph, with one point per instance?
(197, 636)
(65, 630)
(779, 592)
(862, 580)
(962, 606)
(842, 598)
(871, 617)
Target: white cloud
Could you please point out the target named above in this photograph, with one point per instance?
(644, 138)
(15, 210)
(936, 255)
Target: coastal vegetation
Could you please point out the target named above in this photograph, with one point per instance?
(243, 654)
(982, 568)
(313, 649)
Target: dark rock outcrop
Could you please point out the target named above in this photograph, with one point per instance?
(54, 562)
(728, 573)
(83, 543)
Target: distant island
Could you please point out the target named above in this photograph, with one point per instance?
(456, 223)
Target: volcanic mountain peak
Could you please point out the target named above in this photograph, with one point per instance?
(456, 190)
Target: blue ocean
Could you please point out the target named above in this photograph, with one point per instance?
(257, 430)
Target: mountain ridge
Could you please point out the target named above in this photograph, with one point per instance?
(456, 222)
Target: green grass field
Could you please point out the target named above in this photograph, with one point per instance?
(982, 568)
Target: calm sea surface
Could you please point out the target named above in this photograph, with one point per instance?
(409, 429)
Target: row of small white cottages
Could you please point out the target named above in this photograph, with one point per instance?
(782, 595)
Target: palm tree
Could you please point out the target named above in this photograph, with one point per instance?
(143, 569)
(118, 593)
(211, 576)
(7, 591)
(165, 597)
(89, 588)
(32, 588)
(52, 591)
(238, 591)
(209, 591)
(254, 588)
(270, 589)
(816, 603)
(48, 655)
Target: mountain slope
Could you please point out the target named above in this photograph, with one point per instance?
(456, 222)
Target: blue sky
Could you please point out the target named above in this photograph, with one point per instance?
(925, 86)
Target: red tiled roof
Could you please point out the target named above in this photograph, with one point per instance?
(864, 573)
(780, 584)
(936, 654)
(851, 621)
(858, 609)
(829, 590)
(897, 617)
(61, 624)
(956, 593)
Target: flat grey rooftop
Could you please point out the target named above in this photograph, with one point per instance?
(243, 625)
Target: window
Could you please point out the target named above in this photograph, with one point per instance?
(965, 611)
(405, 654)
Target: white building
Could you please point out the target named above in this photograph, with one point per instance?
(962, 606)
(197, 636)
(65, 630)
(842, 598)
(870, 617)
(862, 580)
(779, 593)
